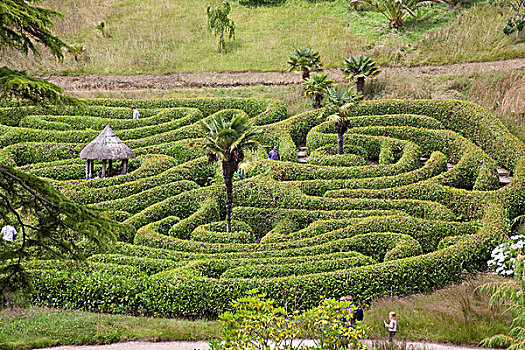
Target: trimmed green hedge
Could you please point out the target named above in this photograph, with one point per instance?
(374, 221)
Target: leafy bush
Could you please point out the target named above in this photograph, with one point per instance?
(256, 323)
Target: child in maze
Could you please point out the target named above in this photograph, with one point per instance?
(392, 325)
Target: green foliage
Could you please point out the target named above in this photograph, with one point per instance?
(307, 231)
(339, 101)
(23, 25)
(226, 140)
(394, 10)
(317, 86)
(49, 225)
(101, 27)
(305, 60)
(324, 324)
(510, 293)
(516, 22)
(359, 68)
(255, 323)
(18, 85)
(219, 23)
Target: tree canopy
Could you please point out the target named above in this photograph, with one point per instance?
(219, 22)
(49, 225)
(23, 26)
(17, 85)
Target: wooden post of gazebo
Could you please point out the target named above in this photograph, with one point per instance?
(124, 169)
(106, 147)
(89, 168)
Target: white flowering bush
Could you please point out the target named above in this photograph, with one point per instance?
(504, 256)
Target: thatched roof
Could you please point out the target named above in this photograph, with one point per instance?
(107, 145)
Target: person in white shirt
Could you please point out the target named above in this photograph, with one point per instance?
(8, 233)
(136, 114)
(392, 326)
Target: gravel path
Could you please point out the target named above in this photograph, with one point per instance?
(203, 346)
(227, 79)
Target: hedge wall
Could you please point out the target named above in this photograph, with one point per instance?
(377, 220)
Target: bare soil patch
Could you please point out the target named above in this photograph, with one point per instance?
(174, 81)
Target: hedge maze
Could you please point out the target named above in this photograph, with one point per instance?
(387, 217)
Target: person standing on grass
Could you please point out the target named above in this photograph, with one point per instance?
(274, 154)
(392, 326)
(136, 114)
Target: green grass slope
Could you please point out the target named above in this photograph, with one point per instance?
(151, 36)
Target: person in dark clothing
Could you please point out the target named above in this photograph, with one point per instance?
(359, 314)
(274, 154)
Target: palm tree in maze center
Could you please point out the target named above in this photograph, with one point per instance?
(225, 140)
(339, 103)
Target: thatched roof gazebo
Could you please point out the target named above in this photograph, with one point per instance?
(106, 147)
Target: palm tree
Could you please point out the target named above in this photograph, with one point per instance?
(339, 102)
(225, 140)
(359, 68)
(305, 60)
(394, 10)
(317, 86)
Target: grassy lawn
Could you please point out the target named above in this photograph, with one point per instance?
(40, 327)
(160, 36)
(457, 314)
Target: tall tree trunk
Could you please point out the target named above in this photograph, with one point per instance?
(340, 141)
(306, 74)
(227, 172)
(340, 129)
(361, 86)
(317, 101)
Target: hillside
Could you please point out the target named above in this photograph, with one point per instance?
(163, 36)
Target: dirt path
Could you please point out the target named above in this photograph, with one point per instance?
(227, 79)
(204, 346)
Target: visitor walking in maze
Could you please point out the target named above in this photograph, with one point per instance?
(274, 153)
(358, 313)
(392, 326)
(241, 171)
(349, 318)
(8, 233)
(136, 114)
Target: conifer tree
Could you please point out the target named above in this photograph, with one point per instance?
(23, 27)
(48, 224)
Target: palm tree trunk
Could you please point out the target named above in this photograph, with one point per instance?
(227, 172)
(340, 128)
(306, 74)
(317, 101)
(361, 86)
(340, 141)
